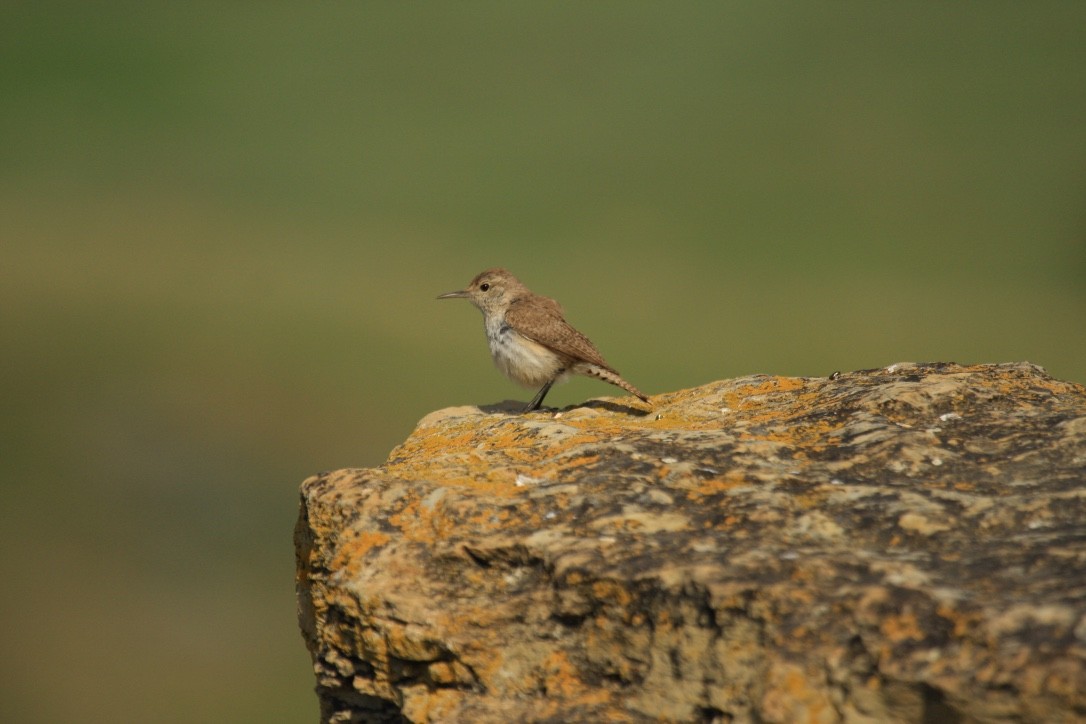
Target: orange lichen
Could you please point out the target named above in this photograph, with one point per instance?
(792, 696)
(612, 593)
(962, 621)
(902, 627)
(560, 675)
(351, 552)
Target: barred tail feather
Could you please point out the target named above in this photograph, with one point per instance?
(602, 373)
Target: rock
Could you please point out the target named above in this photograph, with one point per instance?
(904, 544)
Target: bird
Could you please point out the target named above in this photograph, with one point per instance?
(530, 339)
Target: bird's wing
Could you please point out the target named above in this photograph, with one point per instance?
(540, 319)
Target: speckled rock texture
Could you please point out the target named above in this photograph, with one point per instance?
(905, 544)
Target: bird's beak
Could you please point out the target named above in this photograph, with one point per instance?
(454, 295)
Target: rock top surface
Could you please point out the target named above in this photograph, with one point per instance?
(904, 544)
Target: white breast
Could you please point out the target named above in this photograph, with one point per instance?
(525, 362)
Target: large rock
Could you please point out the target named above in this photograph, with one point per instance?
(903, 544)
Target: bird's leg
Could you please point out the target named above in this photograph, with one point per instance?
(538, 399)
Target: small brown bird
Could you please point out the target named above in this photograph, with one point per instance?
(530, 340)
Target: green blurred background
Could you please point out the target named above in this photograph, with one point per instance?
(224, 225)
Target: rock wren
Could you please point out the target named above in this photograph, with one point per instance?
(530, 340)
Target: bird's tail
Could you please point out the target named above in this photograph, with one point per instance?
(602, 373)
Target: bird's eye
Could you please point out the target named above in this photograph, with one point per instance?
(484, 286)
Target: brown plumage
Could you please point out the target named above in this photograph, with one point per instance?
(530, 339)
